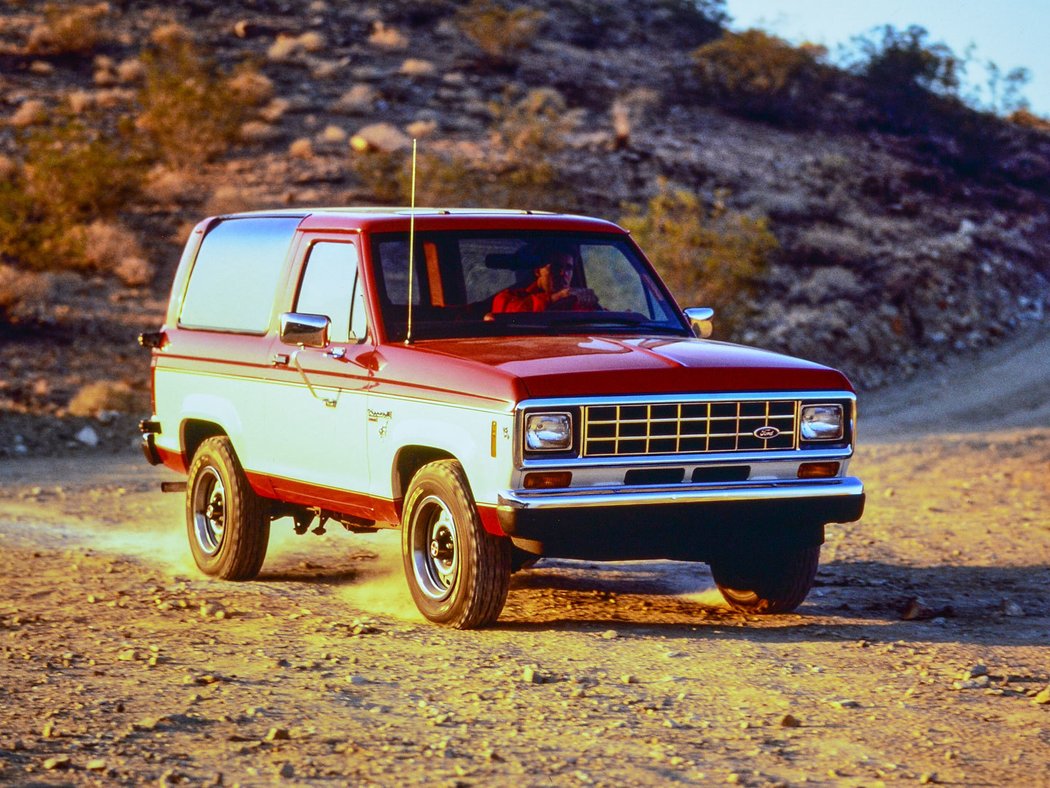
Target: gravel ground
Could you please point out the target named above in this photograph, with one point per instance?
(921, 656)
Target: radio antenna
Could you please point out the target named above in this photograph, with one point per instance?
(411, 244)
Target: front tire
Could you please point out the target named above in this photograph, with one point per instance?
(227, 524)
(767, 581)
(458, 573)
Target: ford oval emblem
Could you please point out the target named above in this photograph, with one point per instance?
(766, 433)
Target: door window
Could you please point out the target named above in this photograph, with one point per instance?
(329, 287)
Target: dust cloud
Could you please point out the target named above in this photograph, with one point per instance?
(381, 588)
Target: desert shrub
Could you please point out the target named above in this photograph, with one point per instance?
(110, 246)
(500, 33)
(382, 173)
(21, 292)
(707, 255)
(1029, 120)
(906, 60)
(906, 75)
(95, 398)
(191, 111)
(68, 176)
(761, 76)
(72, 30)
(528, 134)
(76, 172)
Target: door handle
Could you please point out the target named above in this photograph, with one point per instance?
(280, 359)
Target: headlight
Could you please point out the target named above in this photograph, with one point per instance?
(548, 431)
(822, 422)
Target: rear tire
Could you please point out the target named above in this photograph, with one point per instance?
(228, 525)
(458, 573)
(767, 581)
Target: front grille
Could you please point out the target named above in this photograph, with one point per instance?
(687, 427)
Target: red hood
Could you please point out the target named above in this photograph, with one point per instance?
(592, 366)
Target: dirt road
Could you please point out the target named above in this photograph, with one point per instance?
(923, 654)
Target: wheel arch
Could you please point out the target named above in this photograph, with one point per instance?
(194, 432)
(408, 461)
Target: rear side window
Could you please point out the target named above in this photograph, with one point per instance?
(234, 279)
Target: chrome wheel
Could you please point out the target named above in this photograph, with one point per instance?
(209, 510)
(435, 548)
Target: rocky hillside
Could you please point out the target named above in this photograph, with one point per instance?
(905, 227)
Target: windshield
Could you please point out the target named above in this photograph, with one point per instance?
(470, 284)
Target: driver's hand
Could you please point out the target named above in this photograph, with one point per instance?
(574, 298)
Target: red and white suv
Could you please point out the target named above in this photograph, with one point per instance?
(510, 385)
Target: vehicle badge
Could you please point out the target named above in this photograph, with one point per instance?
(766, 433)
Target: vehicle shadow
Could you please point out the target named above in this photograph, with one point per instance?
(851, 600)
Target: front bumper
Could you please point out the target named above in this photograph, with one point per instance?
(685, 522)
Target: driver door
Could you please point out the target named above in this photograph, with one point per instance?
(321, 457)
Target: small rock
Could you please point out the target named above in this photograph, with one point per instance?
(333, 134)
(627, 678)
(383, 137)
(1012, 609)
(845, 703)
(287, 771)
(96, 765)
(58, 762)
(277, 734)
(147, 724)
(975, 671)
(213, 610)
(87, 436)
(610, 634)
(30, 113)
(531, 676)
(790, 721)
(926, 778)
(360, 99)
(301, 148)
(415, 67)
(915, 609)
(1042, 697)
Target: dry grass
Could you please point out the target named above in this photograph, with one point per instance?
(67, 177)
(759, 75)
(21, 292)
(500, 33)
(707, 256)
(70, 30)
(101, 396)
(191, 112)
(112, 247)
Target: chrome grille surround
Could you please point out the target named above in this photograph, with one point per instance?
(689, 427)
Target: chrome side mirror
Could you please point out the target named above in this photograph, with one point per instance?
(700, 319)
(298, 328)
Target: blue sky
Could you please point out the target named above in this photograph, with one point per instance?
(1009, 32)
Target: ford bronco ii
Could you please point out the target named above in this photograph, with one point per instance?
(508, 385)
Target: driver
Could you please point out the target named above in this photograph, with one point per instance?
(551, 288)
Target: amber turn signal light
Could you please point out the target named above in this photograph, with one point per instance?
(547, 480)
(818, 470)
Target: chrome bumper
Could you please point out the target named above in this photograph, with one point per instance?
(525, 500)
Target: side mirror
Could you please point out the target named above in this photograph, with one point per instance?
(306, 330)
(700, 318)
